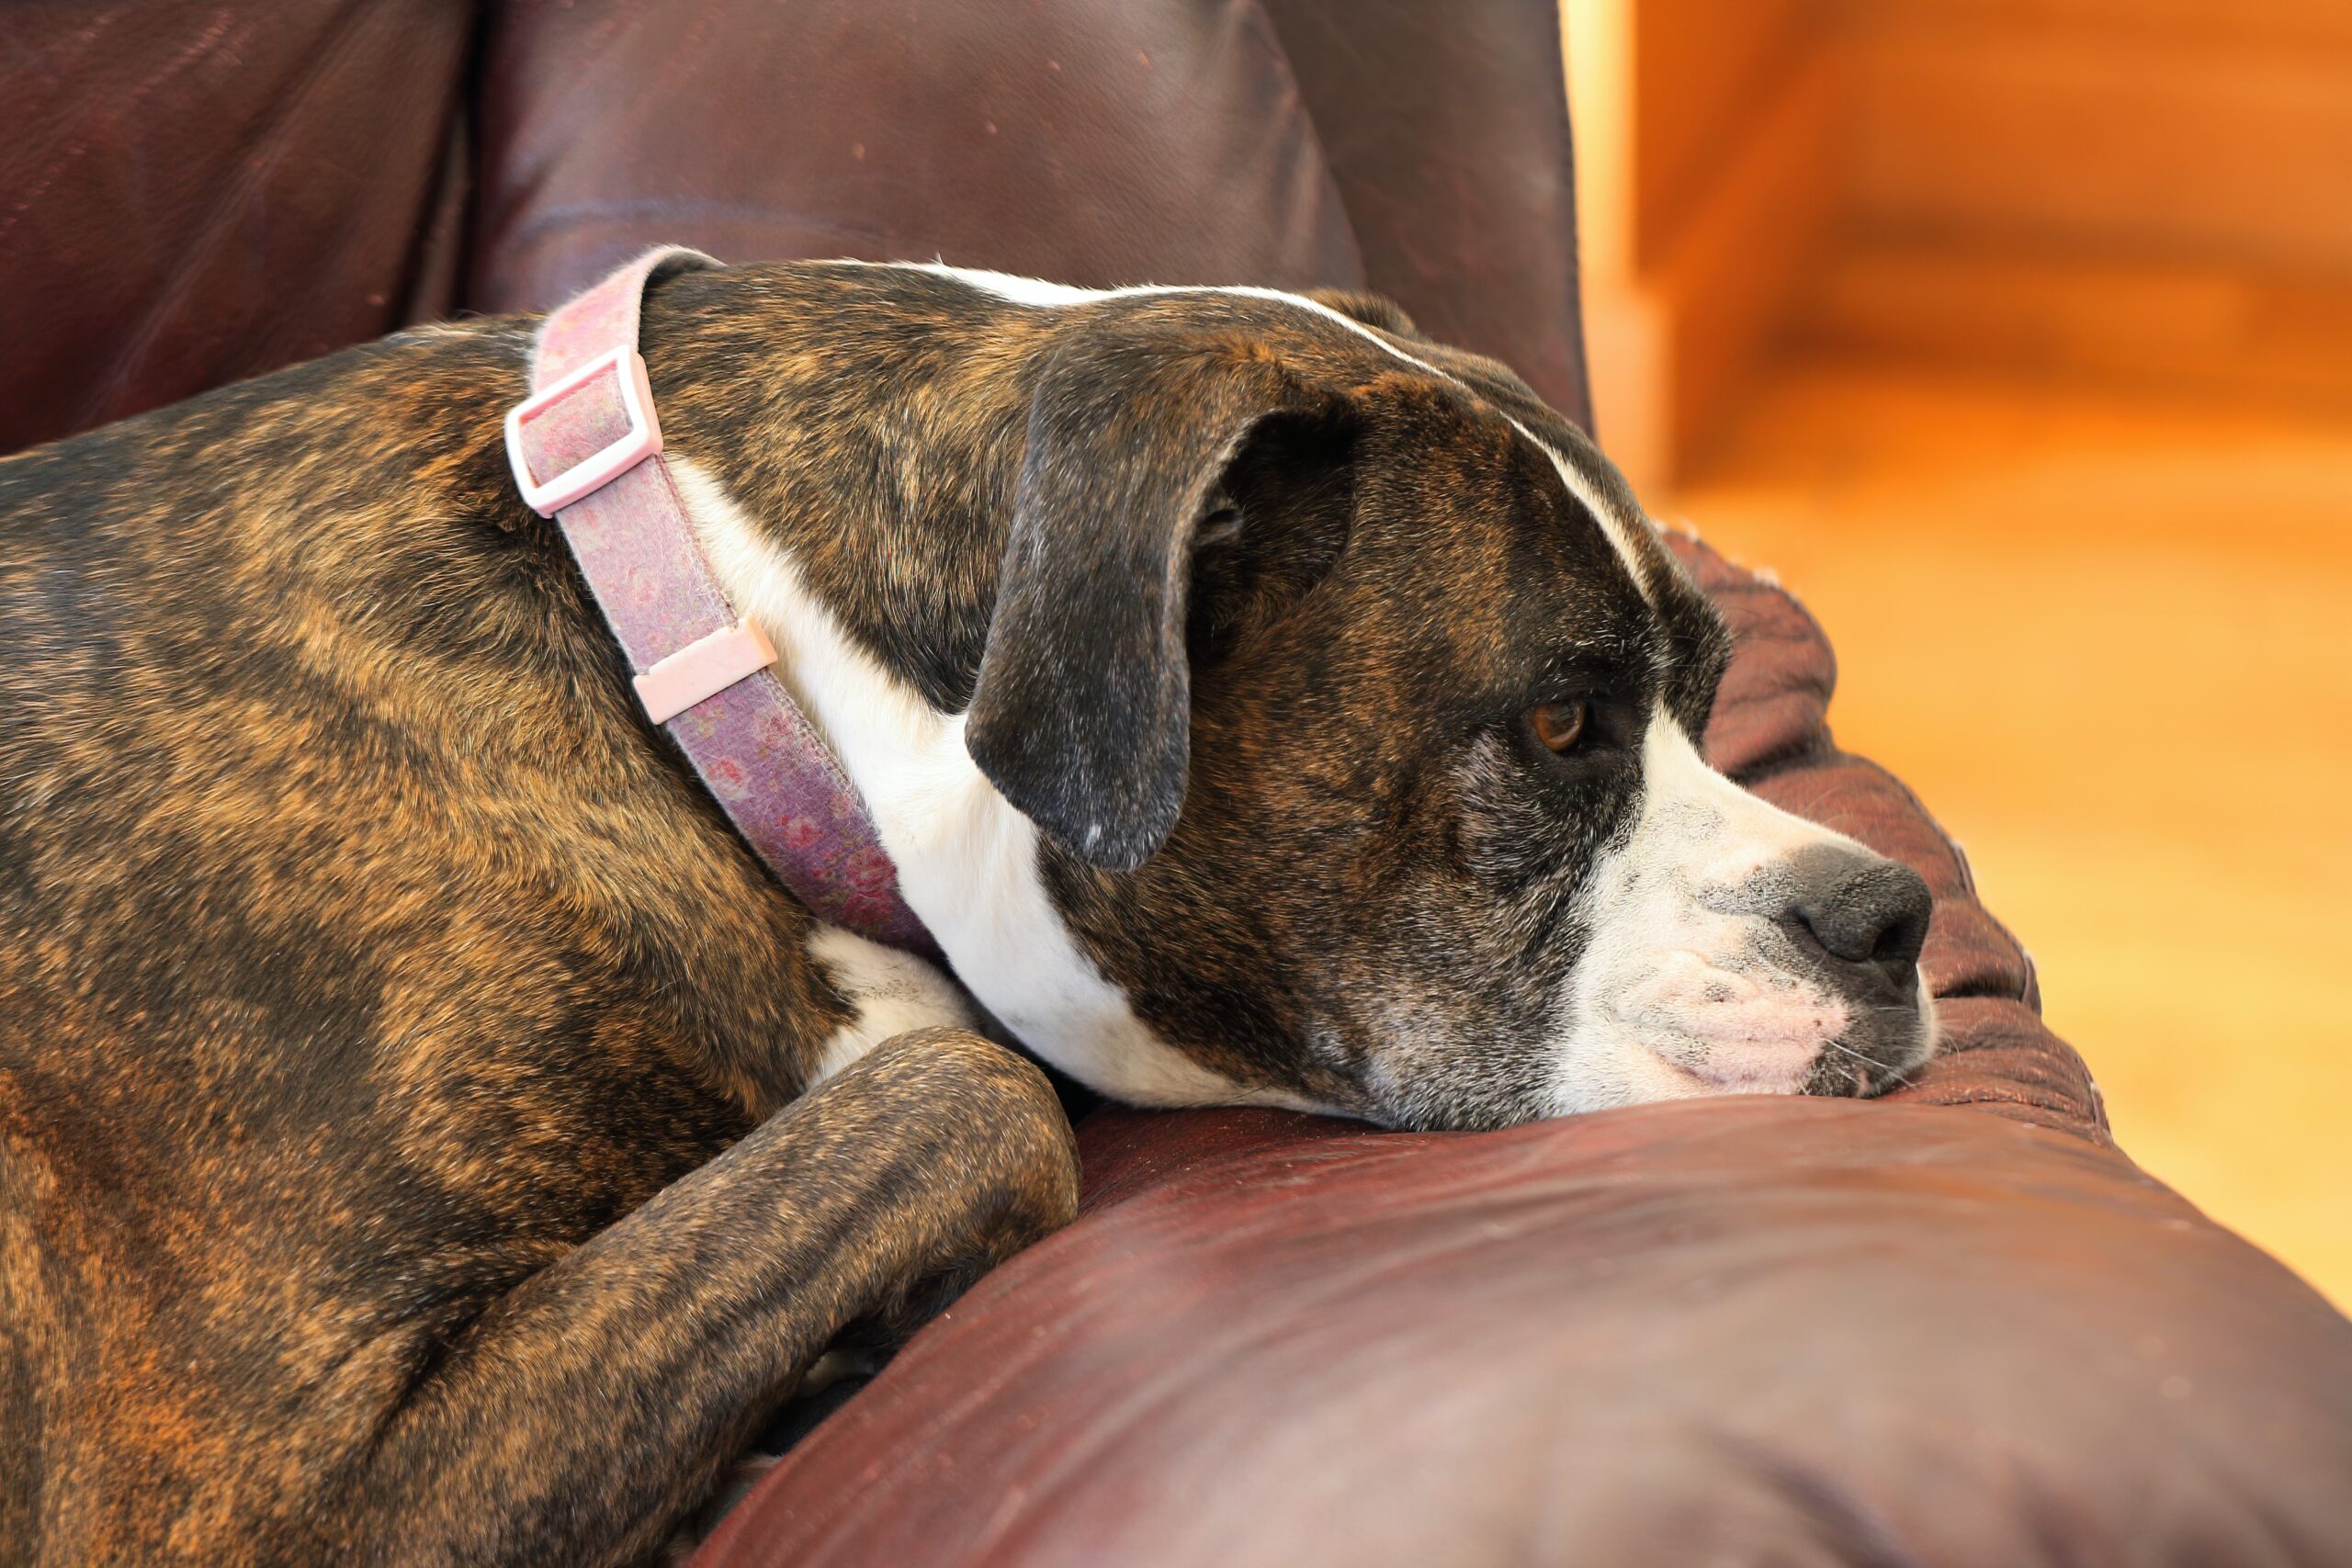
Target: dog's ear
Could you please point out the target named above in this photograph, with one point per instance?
(1372, 310)
(1081, 716)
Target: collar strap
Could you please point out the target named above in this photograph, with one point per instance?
(586, 448)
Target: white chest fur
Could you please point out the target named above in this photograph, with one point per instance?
(967, 860)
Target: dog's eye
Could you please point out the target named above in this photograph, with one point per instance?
(1559, 726)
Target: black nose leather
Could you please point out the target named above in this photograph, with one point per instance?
(1861, 908)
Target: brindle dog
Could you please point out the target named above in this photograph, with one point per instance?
(408, 1150)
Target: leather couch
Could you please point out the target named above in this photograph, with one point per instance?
(1953, 1327)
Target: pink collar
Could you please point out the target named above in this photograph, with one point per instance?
(703, 672)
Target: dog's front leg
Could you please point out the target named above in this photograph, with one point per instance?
(595, 1404)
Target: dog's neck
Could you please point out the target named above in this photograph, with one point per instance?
(873, 573)
(873, 442)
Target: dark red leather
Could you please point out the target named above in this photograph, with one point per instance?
(193, 194)
(1736, 1331)
(200, 192)
(1090, 142)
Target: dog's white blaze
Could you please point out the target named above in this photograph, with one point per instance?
(967, 858)
(1672, 997)
(892, 991)
(1621, 531)
(1018, 289)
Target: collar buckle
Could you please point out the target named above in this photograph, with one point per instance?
(642, 439)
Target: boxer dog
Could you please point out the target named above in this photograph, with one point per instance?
(427, 1133)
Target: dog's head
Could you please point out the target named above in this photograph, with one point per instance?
(1357, 704)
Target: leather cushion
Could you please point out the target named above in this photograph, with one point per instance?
(1446, 129)
(195, 194)
(1086, 141)
(1737, 1331)
(1418, 150)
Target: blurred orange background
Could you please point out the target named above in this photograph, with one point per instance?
(2016, 335)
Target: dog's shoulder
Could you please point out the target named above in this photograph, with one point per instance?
(324, 803)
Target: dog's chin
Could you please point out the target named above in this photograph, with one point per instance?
(1723, 1029)
(1883, 1056)
(1617, 1061)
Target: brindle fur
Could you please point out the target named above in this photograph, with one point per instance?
(399, 1155)
(400, 1159)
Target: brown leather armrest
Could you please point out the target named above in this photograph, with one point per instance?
(1758, 1331)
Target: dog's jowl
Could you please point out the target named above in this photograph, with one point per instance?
(429, 1133)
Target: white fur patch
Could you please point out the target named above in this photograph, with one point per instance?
(891, 992)
(1674, 996)
(967, 858)
(1621, 532)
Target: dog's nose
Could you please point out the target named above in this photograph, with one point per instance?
(1860, 908)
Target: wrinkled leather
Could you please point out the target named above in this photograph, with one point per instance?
(1771, 731)
(194, 193)
(1736, 1331)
